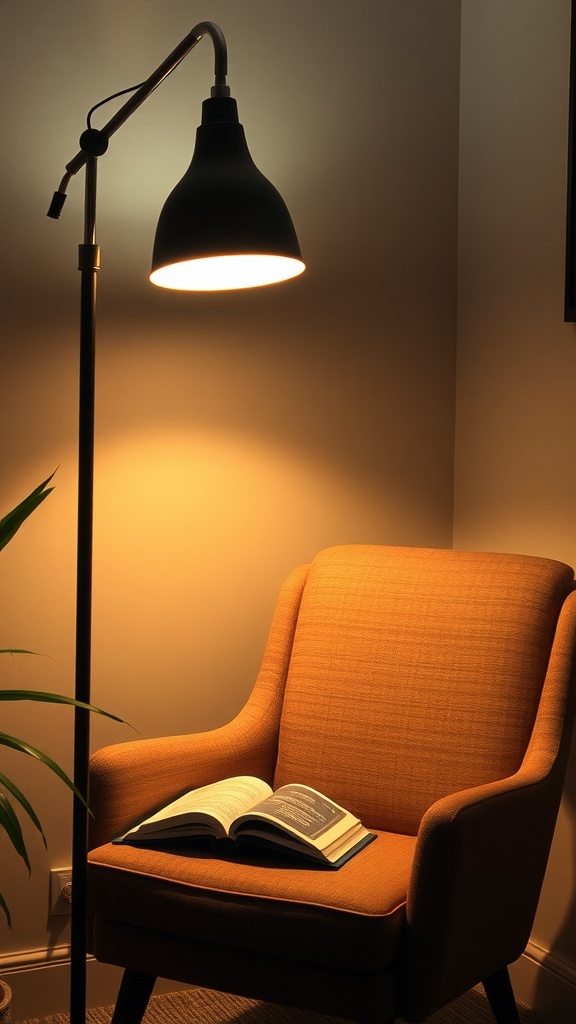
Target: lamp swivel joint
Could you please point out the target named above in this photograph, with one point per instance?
(93, 142)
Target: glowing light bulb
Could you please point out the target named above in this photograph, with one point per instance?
(225, 273)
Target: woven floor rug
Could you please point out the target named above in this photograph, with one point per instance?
(200, 1006)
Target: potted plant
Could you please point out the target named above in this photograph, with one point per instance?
(11, 797)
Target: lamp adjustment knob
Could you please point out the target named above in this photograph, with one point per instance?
(93, 142)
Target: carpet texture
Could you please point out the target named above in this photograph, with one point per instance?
(200, 1006)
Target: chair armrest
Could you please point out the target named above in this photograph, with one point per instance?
(481, 854)
(130, 780)
(478, 869)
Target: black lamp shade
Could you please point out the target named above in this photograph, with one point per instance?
(224, 225)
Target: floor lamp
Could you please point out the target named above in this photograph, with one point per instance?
(224, 226)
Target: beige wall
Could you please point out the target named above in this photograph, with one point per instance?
(236, 435)
(515, 482)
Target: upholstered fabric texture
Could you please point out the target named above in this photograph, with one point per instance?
(415, 674)
(350, 918)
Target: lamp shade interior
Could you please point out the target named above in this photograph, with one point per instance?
(224, 225)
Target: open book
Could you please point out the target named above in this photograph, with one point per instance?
(295, 818)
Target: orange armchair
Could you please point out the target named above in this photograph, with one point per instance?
(428, 691)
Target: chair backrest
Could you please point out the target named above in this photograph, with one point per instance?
(415, 673)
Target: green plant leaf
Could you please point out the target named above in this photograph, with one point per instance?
(4, 908)
(12, 521)
(27, 748)
(9, 822)
(46, 697)
(11, 825)
(16, 650)
(24, 803)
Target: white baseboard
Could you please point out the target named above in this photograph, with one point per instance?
(40, 982)
(545, 983)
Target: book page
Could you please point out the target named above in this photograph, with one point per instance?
(302, 809)
(223, 800)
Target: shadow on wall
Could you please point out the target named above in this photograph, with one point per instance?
(548, 994)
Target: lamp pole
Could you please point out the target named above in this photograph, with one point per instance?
(88, 265)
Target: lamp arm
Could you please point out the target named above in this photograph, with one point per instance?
(100, 137)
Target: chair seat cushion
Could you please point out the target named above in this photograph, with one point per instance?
(268, 903)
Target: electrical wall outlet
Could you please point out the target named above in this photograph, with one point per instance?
(60, 890)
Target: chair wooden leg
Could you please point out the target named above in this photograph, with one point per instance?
(135, 991)
(498, 989)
